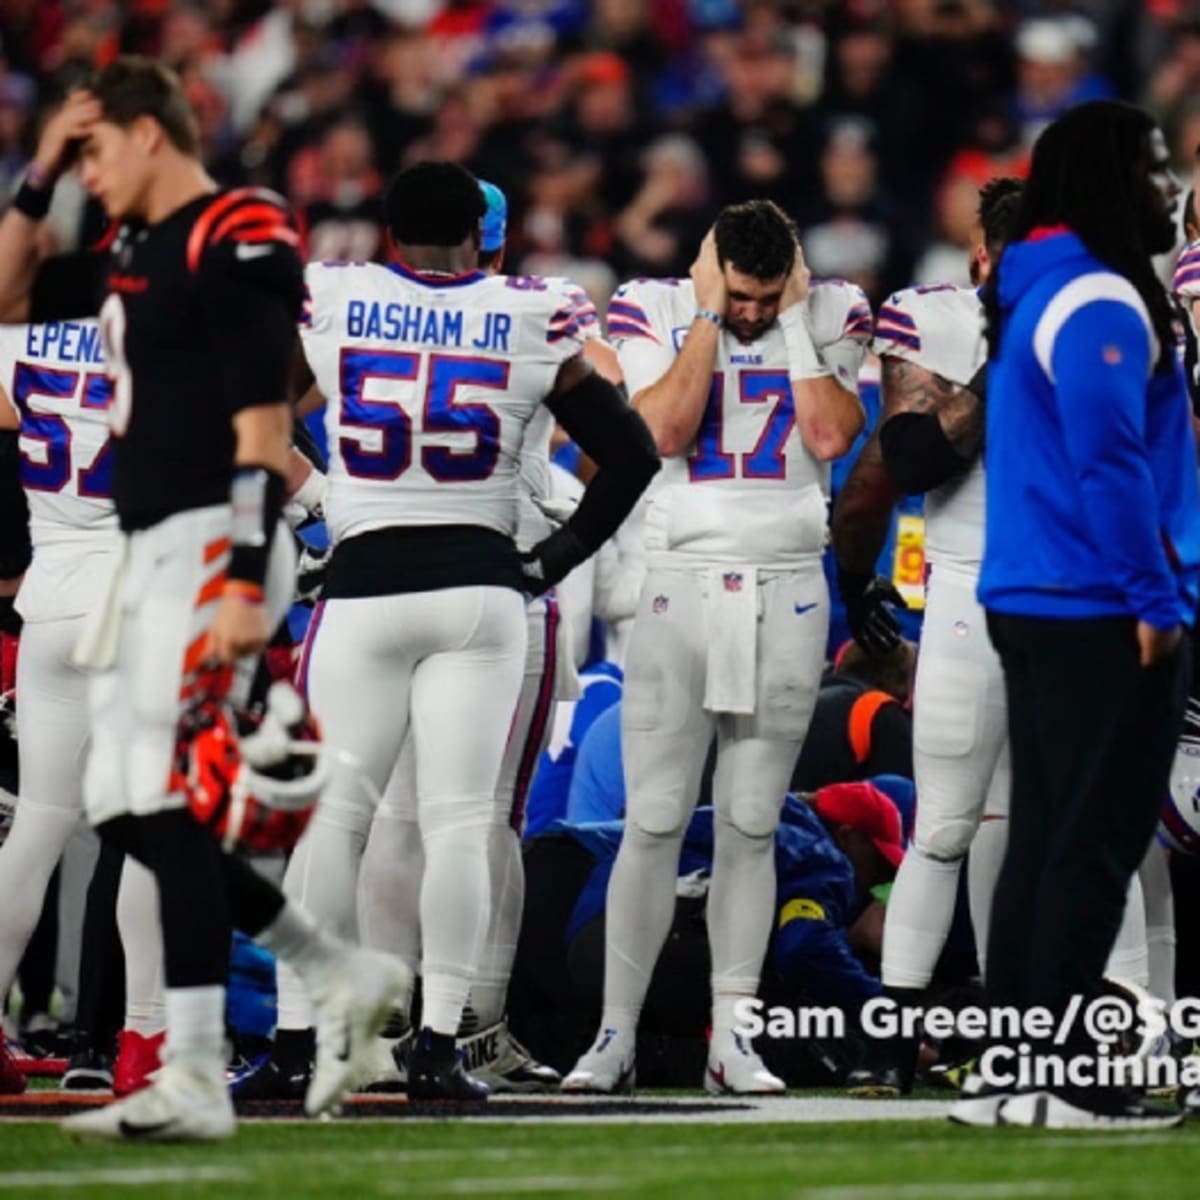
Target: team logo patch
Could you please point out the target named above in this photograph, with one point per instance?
(960, 629)
(1111, 355)
(661, 604)
(732, 581)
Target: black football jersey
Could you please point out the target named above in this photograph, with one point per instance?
(198, 316)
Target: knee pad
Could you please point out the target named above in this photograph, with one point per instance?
(354, 817)
(658, 815)
(753, 815)
(945, 840)
(727, 832)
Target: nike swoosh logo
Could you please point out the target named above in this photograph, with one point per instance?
(134, 1132)
(803, 608)
(245, 251)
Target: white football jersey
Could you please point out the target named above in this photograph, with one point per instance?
(1185, 283)
(941, 328)
(749, 492)
(53, 375)
(432, 383)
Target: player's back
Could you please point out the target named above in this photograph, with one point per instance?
(749, 491)
(53, 375)
(431, 384)
(941, 329)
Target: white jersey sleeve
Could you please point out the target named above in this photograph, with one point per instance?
(432, 383)
(643, 326)
(941, 329)
(53, 376)
(839, 319)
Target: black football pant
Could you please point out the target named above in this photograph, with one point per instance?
(204, 892)
(1093, 735)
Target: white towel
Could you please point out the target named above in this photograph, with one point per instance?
(731, 609)
(96, 649)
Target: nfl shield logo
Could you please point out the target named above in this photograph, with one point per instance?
(661, 604)
(733, 582)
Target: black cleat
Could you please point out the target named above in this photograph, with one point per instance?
(89, 1070)
(875, 1083)
(435, 1072)
(286, 1073)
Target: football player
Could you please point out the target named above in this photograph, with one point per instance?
(390, 884)
(435, 370)
(197, 300)
(747, 376)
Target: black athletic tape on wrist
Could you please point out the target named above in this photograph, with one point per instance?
(257, 500)
(32, 202)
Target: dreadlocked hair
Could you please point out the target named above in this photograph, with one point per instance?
(999, 200)
(1084, 176)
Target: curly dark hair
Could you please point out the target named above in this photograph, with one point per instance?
(999, 200)
(1084, 176)
(756, 238)
(433, 204)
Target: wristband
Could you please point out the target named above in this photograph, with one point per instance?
(803, 360)
(256, 498)
(32, 201)
(310, 495)
(707, 314)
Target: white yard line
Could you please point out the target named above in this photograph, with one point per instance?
(998, 1190)
(517, 1185)
(126, 1176)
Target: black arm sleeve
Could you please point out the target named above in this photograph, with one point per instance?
(68, 286)
(615, 437)
(917, 453)
(15, 551)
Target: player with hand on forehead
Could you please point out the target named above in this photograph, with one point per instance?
(197, 298)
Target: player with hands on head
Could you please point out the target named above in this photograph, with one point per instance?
(746, 374)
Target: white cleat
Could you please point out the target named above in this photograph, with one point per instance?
(496, 1058)
(606, 1069)
(180, 1105)
(1044, 1110)
(979, 1103)
(351, 1008)
(734, 1069)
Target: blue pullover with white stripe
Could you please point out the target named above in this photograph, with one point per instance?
(1093, 508)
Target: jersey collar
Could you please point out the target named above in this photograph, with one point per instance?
(435, 281)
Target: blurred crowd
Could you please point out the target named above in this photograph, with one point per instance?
(619, 127)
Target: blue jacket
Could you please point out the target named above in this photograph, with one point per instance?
(1092, 501)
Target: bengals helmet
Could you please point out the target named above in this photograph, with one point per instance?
(254, 781)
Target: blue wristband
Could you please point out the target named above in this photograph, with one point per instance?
(707, 314)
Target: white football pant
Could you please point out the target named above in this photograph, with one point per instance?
(666, 731)
(450, 663)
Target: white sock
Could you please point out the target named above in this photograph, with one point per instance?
(1129, 959)
(322, 879)
(142, 941)
(389, 888)
(983, 869)
(1155, 875)
(919, 913)
(506, 876)
(454, 905)
(638, 913)
(196, 1028)
(27, 860)
(741, 910)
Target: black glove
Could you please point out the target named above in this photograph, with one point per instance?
(873, 624)
(552, 560)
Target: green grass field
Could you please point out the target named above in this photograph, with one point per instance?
(843, 1161)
